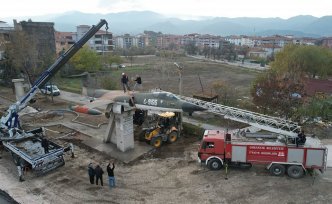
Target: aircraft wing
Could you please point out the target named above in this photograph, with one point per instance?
(100, 103)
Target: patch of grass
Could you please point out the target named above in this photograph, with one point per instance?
(192, 130)
(69, 84)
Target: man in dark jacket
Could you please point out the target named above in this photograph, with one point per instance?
(45, 144)
(91, 172)
(138, 83)
(110, 171)
(99, 174)
(124, 81)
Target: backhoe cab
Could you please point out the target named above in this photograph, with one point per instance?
(166, 129)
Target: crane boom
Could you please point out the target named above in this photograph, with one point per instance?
(10, 120)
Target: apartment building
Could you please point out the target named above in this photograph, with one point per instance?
(63, 41)
(101, 42)
(42, 34)
(5, 30)
(327, 42)
(241, 40)
(304, 41)
(168, 41)
(126, 41)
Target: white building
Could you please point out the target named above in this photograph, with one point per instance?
(101, 42)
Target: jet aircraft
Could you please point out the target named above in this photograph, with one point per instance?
(158, 101)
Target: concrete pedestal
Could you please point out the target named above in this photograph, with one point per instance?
(19, 88)
(120, 130)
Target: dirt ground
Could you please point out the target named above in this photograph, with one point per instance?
(167, 175)
(170, 174)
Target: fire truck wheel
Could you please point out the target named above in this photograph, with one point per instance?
(277, 169)
(172, 137)
(214, 164)
(156, 142)
(295, 171)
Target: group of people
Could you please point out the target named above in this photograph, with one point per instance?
(125, 82)
(98, 173)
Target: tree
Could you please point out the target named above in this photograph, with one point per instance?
(111, 58)
(274, 93)
(22, 55)
(317, 107)
(299, 60)
(226, 94)
(86, 59)
(281, 89)
(191, 48)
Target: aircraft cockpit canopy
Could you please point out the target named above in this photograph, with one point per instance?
(166, 95)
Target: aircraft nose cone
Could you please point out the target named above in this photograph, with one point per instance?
(190, 107)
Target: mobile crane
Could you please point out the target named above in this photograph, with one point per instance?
(25, 146)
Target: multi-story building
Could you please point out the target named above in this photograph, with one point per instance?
(5, 30)
(304, 41)
(278, 40)
(127, 41)
(63, 41)
(143, 40)
(101, 42)
(42, 35)
(327, 42)
(189, 38)
(207, 41)
(168, 41)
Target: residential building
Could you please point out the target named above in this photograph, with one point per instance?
(271, 49)
(327, 42)
(304, 41)
(277, 40)
(42, 34)
(101, 42)
(168, 41)
(5, 30)
(63, 41)
(257, 52)
(207, 41)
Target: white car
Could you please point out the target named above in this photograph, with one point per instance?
(49, 89)
(122, 66)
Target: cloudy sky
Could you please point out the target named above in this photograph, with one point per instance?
(185, 9)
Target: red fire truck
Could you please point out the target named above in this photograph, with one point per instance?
(219, 148)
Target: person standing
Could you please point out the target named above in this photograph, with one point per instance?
(138, 83)
(99, 174)
(45, 144)
(110, 171)
(19, 166)
(91, 172)
(124, 81)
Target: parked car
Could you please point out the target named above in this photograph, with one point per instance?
(122, 66)
(50, 89)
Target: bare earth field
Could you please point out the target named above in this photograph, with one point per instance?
(170, 174)
(196, 75)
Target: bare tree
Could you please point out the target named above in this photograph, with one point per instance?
(23, 54)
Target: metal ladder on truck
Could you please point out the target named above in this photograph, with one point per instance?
(269, 123)
(14, 138)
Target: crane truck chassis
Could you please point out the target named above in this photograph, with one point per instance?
(217, 149)
(26, 146)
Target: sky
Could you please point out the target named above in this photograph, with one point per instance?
(184, 9)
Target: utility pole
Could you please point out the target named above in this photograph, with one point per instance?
(180, 69)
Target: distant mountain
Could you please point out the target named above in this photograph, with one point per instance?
(135, 22)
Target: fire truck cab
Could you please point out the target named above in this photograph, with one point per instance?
(217, 148)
